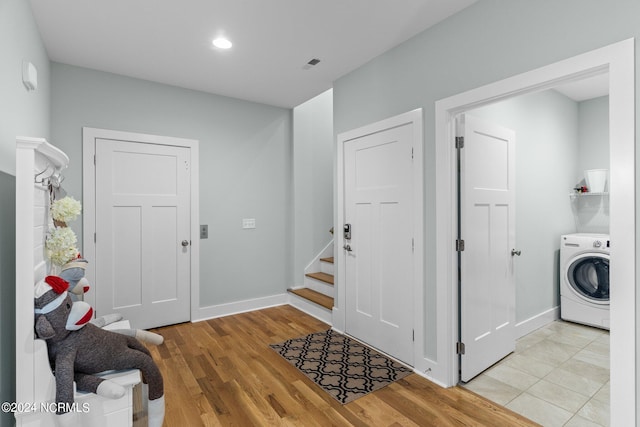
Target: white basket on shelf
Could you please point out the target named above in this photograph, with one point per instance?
(597, 180)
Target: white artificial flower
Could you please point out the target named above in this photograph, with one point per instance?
(61, 245)
(66, 209)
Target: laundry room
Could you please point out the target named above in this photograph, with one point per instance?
(557, 140)
(562, 164)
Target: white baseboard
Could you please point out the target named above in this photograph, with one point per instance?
(536, 322)
(310, 308)
(213, 311)
(430, 378)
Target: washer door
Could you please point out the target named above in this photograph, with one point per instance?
(588, 276)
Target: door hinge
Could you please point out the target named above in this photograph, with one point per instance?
(459, 348)
(94, 159)
(412, 152)
(459, 245)
(413, 335)
(459, 141)
(94, 238)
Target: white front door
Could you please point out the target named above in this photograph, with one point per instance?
(142, 232)
(487, 226)
(378, 203)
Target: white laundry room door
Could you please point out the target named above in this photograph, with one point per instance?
(379, 259)
(142, 232)
(487, 227)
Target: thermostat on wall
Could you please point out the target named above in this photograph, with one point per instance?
(29, 75)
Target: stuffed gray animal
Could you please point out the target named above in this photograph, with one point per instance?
(73, 272)
(78, 350)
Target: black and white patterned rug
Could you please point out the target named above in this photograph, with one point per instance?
(341, 366)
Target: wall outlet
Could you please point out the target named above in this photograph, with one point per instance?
(248, 223)
(204, 231)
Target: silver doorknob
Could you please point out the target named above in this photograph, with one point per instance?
(515, 252)
(185, 243)
(347, 248)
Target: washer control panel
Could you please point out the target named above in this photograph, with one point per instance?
(600, 244)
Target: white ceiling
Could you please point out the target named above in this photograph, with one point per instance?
(169, 41)
(588, 88)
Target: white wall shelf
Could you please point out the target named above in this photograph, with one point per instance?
(574, 195)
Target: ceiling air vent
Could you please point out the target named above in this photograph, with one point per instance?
(311, 63)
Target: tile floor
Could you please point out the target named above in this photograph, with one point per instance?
(558, 376)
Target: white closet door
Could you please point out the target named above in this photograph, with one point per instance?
(142, 232)
(487, 270)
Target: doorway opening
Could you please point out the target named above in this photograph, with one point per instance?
(172, 203)
(559, 135)
(618, 61)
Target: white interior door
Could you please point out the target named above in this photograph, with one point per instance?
(378, 180)
(487, 220)
(142, 232)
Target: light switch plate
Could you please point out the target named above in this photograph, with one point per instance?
(248, 223)
(204, 231)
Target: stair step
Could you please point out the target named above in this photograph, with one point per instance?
(329, 260)
(327, 278)
(313, 296)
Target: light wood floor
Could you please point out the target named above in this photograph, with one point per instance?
(222, 372)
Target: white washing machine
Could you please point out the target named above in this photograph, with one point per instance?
(584, 279)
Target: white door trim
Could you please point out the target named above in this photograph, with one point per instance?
(618, 60)
(89, 135)
(415, 118)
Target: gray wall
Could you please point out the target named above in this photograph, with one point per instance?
(546, 128)
(487, 42)
(21, 113)
(7, 293)
(245, 169)
(593, 131)
(312, 179)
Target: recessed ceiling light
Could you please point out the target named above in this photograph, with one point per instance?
(222, 43)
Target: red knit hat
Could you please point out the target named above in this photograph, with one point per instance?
(58, 284)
